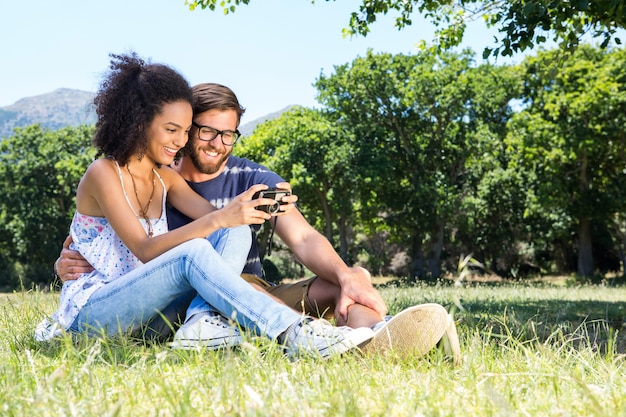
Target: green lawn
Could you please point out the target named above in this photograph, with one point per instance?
(542, 350)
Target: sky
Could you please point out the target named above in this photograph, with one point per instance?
(269, 52)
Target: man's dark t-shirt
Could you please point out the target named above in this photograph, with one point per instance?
(238, 175)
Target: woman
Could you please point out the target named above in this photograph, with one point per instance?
(144, 115)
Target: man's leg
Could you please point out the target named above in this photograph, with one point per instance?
(412, 332)
(324, 295)
(318, 297)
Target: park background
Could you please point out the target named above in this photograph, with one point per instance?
(416, 152)
(492, 187)
(414, 166)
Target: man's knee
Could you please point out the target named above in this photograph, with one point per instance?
(322, 297)
(323, 292)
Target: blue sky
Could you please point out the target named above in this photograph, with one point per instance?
(269, 52)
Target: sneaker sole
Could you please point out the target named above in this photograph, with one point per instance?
(212, 344)
(412, 332)
(187, 343)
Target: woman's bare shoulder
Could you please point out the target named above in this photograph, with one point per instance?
(102, 166)
(169, 175)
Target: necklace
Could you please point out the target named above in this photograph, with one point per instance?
(143, 210)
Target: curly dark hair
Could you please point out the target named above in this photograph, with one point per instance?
(131, 95)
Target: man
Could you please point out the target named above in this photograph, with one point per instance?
(346, 292)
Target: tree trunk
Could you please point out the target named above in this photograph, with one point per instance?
(343, 239)
(434, 260)
(328, 216)
(262, 239)
(585, 254)
(622, 258)
(622, 254)
(417, 260)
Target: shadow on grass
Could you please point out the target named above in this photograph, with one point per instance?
(508, 315)
(594, 324)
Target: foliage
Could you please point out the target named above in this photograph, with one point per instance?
(521, 166)
(317, 157)
(521, 23)
(413, 162)
(418, 121)
(39, 172)
(571, 136)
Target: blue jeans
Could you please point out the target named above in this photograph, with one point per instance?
(129, 302)
(228, 243)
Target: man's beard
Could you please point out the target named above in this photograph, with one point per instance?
(207, 168)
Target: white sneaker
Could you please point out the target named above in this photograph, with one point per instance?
(321, 338)
(211, 331)
(450, 342)
(412, 332)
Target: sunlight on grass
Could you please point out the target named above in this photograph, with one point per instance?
(528, 350)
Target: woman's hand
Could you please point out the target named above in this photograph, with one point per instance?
(242, 209)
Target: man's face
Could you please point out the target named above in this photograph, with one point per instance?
(210, 157)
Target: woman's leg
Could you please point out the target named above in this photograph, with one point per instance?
(128, 302)
(232, 245)
(162, 326)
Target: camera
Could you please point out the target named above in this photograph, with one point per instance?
(273, 193)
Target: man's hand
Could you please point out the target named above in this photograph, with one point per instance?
(358, 289)
(289, 201)
(71, 263)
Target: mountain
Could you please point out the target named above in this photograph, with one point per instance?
(60, 108)
(246, 129)
(67, 107)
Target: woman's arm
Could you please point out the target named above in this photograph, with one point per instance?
(100, 190)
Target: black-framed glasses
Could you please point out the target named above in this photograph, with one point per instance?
(208, 133)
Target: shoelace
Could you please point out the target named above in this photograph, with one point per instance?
(319, 331)
(215, 320)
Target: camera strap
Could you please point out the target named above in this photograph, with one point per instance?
(271, 238)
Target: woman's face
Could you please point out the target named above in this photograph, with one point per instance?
(169, 132)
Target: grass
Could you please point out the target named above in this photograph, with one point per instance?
(529, 350)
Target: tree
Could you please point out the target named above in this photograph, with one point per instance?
(316, 157)
(414, 120)
(571, 136)
(521, 23)
(39, 172)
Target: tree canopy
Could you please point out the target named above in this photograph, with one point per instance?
(39, 171)
(522, 24)
(411, 163)
(520, 165)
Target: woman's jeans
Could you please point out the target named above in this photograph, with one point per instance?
(129, 302)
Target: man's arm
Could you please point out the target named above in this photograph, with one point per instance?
(70, 264)
(317, 254)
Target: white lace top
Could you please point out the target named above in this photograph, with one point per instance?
(98, 243)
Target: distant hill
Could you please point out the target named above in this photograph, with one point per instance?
(246, 129)
(60, 108)
(67, 107)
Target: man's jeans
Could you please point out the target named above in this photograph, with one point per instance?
(129, 302)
